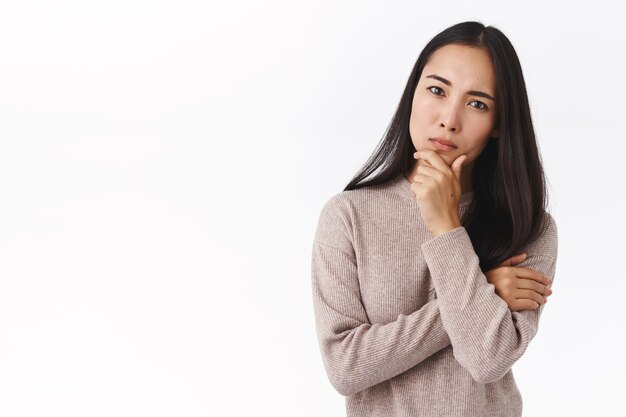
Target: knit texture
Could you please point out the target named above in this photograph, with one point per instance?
(407, 323)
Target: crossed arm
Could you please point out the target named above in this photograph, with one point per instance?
(487, 337)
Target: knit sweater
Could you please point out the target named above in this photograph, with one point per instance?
(407, 323)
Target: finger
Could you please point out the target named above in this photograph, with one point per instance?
(428, 170)
(529, 284)
(433, 158)
(531, 274)
(457, 166)
(523, 304)
(518, 258)
(530, 295)
(421, 179)
(515, 259)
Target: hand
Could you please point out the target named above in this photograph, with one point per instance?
(521, 288)
(437, 188)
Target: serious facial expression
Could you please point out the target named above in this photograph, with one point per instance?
(455, 101)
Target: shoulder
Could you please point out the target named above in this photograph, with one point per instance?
(547, 241)
(343, 212)
(336, 218)
(346, 204)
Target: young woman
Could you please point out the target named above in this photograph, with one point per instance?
(430, 270)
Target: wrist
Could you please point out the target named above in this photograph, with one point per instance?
(445, 228)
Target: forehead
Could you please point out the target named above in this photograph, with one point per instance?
(466, 67)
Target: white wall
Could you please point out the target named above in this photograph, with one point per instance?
(162, 168)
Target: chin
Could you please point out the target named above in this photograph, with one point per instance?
(449, 160)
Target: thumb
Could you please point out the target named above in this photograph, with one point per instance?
(457, 166)
(515, 259)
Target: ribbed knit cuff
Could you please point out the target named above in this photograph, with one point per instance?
(447, 243)
(451, 258)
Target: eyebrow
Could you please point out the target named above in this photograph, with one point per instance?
(473, 93)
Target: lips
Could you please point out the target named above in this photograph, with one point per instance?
(444, 142)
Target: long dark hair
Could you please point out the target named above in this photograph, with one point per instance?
(507, 211)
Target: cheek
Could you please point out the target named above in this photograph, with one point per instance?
(477, 146)
(479, 132)
(422, 114)
(488, 124)
(425, 108)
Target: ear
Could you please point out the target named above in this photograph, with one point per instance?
(495, 133)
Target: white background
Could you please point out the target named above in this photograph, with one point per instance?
(162, 169)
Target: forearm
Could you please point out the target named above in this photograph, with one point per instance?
(486, 336)
(357, 354)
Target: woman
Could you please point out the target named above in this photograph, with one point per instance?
(429, 278)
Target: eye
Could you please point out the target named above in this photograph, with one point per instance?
(429, 89)
(481, 105)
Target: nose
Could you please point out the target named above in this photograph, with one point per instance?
(449, 117)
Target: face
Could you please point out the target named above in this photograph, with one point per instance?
(450, 103)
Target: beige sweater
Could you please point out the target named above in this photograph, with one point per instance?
(407, 323)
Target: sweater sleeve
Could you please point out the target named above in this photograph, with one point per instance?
(356, 353)
(487, 338)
